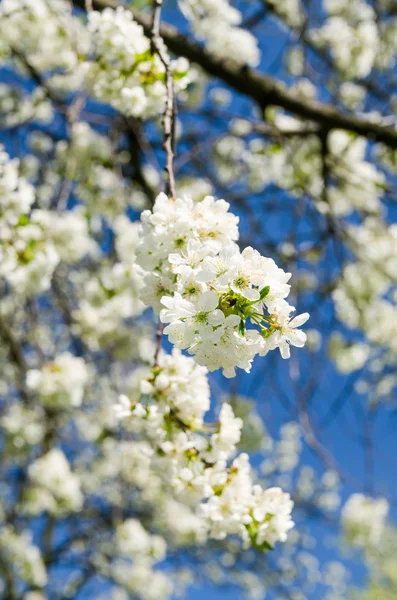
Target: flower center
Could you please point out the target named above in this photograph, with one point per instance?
(241, 282)
(201, 317)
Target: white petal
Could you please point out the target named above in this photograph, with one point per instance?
(299, 320)
(216, 318)
(175, 259)
(284, 350)
(251, 294)
(229, 372)
(297, 338)
(205, 276)
(232, 321)
(168, 301)
(208, 301)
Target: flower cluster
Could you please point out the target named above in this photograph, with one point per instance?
(297, 165)
(33, 242)
(194, 458)
(54, 487)
(132, 539)
(61, 382)
(23, 426)
(27, 258)
(179, 386)
(17, 195)
(218, 24)
(364, 519)
(111, 296)
(89, 160)
(123, 71)
(352, 36)
(18, 553)
(44, 33)
(209, 290)
(145, 550)
(17, 108)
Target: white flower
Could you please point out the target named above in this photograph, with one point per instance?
(211, 289)
(121, 59)
(200, 316)
(54, 486)
(216, 268)
(134, 541)
(189, 259)
(217, 24)
(123, 407)
(61, 382)
(272, 510)
(16, 194)
(364, 519)
(20, 554)
(287, 333)
(223, 443)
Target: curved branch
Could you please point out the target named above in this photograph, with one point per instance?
(263, 89)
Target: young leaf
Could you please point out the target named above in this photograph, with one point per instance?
(241, 327)
(264, 292)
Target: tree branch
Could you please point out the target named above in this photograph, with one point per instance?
(169, 114)
(263, 89)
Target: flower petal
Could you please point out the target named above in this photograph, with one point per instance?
(299, 320)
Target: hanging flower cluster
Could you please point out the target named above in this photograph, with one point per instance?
(168, 406)
(208, 292)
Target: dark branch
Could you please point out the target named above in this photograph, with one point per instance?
(263, 89)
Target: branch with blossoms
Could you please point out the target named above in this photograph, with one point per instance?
(117, 460)
(261, 88)
(192, 266)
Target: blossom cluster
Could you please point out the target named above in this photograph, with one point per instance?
(61, 382)
(145, 550)
(17, 108)
(168, 405)
(53, 486)
(291, 11)
(18, 553)
(364, 519)
(28, 259)
(217, 23)
(352, 35)
(122, 69)
(43, 33)
(178, 474)
(110, 55)
(33, 242)
(297, 165)
(89, 161)
(209, 290)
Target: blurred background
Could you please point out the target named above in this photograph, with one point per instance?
(315, 190)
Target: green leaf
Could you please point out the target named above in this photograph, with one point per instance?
(264, 292)
(241, 328)
(23, 220)
(265, 546)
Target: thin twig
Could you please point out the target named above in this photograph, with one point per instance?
(160, 49)
(318, 448)
(72, 116)
(159, 336)
(170, 109)
(16, 354)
